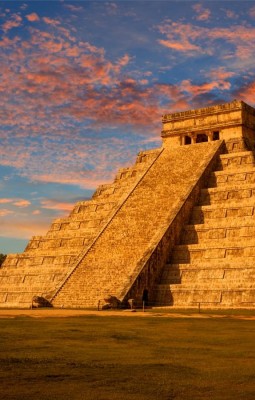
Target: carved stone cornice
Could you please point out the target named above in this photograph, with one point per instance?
(200, 129)
(201, 112)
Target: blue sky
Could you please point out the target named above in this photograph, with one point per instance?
(84, 84)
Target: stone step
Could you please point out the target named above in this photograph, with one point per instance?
(57, 243)
(36, 270)
(235, 160)
(209, 284)
(111, 188)
(236, 145)
(67, 242)
(76, 218)
(70, 225)
(230, 210)
(112, 194)
(208, 275)
(92, 206)
(41, 258)
(225, 298)
(212, 264)
(241, 175)
(37, 287)
(219, 251)
(240, 192)
(143, 159)
(86, 233)
(147, 155)
(37, 260)
(21, 299)
(223, 230)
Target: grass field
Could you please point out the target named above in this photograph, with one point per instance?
(114, 358)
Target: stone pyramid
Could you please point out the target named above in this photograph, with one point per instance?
(177, 225)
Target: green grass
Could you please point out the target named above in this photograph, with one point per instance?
(115, 358)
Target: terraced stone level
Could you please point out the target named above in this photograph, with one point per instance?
(48, 259)
(214, 264)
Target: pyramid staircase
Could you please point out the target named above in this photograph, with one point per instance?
(214, 264)
(48, 259)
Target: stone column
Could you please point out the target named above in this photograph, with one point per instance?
(210, 136)
(193, 138)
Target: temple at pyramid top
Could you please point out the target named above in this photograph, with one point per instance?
(224, 121)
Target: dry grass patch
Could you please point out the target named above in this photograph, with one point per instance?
(94, 358)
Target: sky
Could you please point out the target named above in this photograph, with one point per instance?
(84, 84)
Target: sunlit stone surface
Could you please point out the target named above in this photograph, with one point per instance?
(175, 229)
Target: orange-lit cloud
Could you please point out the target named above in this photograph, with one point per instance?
(56, 205)
(16, 202)
(33, 17)
(180, 37)
(5, 201)
(239, 40)
(23, 228)
(220, 74)
(51, 21)
(4, 212)
(247, 92)
(21, 203)
(203, 14)
(14, 22)
(72, 7)
(231, 14)
(36, 212)
(185, 45)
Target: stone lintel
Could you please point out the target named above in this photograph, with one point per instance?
(199, 129)
(216, 109)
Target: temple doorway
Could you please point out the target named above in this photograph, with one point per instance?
(201, 137)
(187, 140)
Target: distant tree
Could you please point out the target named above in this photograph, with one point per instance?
(2, 258)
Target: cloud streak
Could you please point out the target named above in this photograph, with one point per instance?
(233, 42)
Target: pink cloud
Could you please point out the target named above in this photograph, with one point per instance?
(4, 201)
(185, 37)
(22, 203)
(16, 202)
(184, 46)
(220, 74)
(33, 17)
(207, 87)
(203, 13)
(56, 205)
(246, 93)
(51, 21)
(4, 212)
(13, 22)
(231, 14)
(36, 212)
(180, 37)
(23, 228)
(71, 7)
